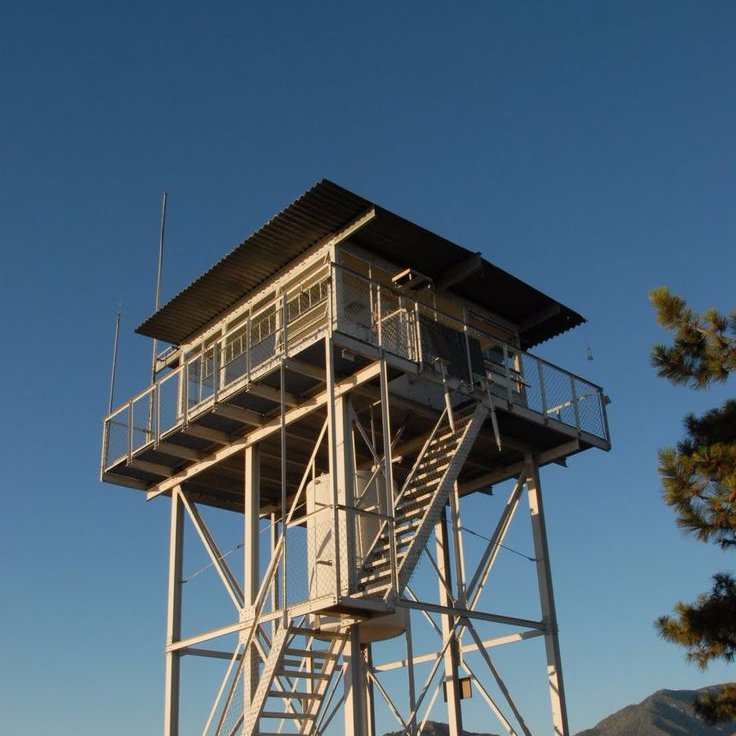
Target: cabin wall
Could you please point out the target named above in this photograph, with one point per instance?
(460, 311)
(304, 283)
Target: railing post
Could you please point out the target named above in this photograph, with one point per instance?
(105, 444)
(379, 326)
(247, 348)
(509, 394)
(418, 329)
(130, 430)
(332, 298)
(185, 392)
(468, 356)
(215, 370)
(575, 406)
(284, 322)
(156, 414)
(604, 414)
(542, 389)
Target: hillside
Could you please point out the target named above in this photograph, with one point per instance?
(665, 713)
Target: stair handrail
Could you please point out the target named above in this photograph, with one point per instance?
(412, 472)
(479, 411)
(420, 457)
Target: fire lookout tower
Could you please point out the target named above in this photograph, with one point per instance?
(348, 381)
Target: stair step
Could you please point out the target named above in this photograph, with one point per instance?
(413, 498)
(311, 653)
(382, 577)
(376, 589)
(401, 530)
(295, 663)
(422, 480)
(322, 634)
(280, 715)
(413, 507)
(296, 694)
(303, 674)
(437, 452)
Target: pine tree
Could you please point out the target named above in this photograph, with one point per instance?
(699, 482)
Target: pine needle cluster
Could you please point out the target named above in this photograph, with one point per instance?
(699, 483)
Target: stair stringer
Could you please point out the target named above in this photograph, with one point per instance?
(312, 712)
(278, 646)
(380, 547)
(275, 673)
(440, 498)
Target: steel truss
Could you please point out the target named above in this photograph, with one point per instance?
(281, 651)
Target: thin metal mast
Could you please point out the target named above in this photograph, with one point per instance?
(158, 278)
(114, 361)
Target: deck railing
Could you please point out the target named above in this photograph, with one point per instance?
(373, 313)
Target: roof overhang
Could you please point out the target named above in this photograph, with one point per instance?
(319, 214)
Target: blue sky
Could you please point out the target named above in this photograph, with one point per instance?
(588, 148)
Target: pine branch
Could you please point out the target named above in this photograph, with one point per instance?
(704, 347)
(706, 628)
(717, 707)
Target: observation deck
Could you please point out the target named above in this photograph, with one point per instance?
(215, 400)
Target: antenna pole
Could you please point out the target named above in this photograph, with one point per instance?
(158, 278)
(114, 361)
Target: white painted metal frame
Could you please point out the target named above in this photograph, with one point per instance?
(264, 608)
(458, 604)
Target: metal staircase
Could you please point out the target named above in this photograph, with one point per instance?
(294, 681)
(420, 501)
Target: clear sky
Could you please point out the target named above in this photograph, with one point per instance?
(588, 148)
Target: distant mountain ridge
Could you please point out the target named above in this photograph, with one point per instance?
(664, 713)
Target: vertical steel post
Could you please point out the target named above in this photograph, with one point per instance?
(451, 658)
(356, 722)
(546, 596)
(459, 550)
(251, 568)
(159, 269)
(345, 474)
(275, 594)
(332, 442)
(370, 706)
(284, 505)
(388, 472)
(412, 725)
(173, 615)
(114, 362)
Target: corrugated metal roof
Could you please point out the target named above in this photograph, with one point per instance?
(323, 210)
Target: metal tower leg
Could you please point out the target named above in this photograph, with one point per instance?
(345, 476)
(251, 510)
(452, 685)
(370, 705)
(356, 714)
(173, 616)
(546, 596)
